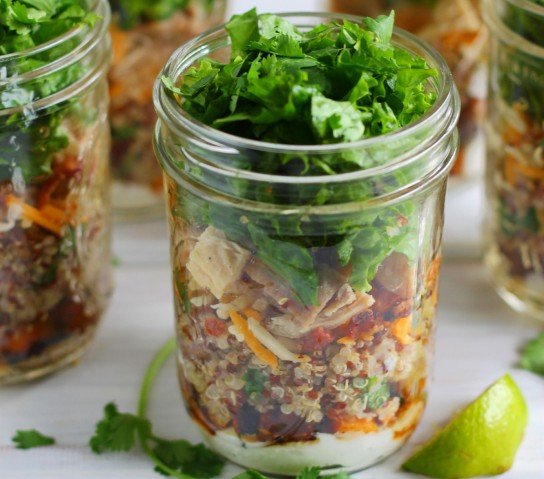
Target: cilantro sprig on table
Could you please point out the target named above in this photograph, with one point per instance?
(31, 439)
(532, 355)
(337, 83)
(119, 432)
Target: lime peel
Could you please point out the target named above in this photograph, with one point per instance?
(481, 439)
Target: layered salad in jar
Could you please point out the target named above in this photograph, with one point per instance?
(144, 35)
(304, 339)
(515, 178)
(456, 29)
(54, 238)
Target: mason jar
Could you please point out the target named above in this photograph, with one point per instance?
(54, 183)
(514, 230)
(144, 36)
(456, 29)
(304, 305)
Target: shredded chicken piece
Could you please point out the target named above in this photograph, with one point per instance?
(287, 326)
(344, 297)
(215, 262)
(275, 289)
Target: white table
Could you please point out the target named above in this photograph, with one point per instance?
(477, 341)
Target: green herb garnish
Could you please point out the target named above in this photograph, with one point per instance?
(532, 356)
(31, 439)
(25, 24)
(338, 82)
(120, 432)
(131, 13)
(255, 381)
(28, 141)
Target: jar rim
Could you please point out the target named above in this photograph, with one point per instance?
(186, 55)
(494, 22)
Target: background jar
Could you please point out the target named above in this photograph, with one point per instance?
(142, 43)
(54, 185)
(456, 29)
(304, 305)
(514, 229)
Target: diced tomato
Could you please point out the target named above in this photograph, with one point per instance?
(319, 338)
(356, 326)
(214, 327)
(22, 340)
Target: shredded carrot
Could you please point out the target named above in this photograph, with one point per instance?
(459, 163)
(252, 342)
(353, 424)
(512, 166)
(36, 216)
(54, 213)
(452, 39)
(433, 272)
(120, 42)
(251, 313)
(346, 340)
(512, 136)
(157, 184)
(510, 171)
(401, 328)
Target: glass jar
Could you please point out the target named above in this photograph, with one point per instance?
(144, 36)
(456, 29)
(54, 184)
(514, 228)
(304, 305)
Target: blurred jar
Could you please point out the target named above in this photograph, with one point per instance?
(283, 350)
(515, 159)
(144, 35)
(54, 199)
(456, 29)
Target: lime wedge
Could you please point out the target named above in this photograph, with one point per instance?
(481, 439)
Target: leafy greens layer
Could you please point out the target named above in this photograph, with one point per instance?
(336, 83)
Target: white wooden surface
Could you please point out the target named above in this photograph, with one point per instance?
(477, 341)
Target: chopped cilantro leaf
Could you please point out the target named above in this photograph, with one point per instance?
(532, 356)
(255, 381)
(117, 432)
(31, 439)
(28, 23)
(195, 460)
(336, 83)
